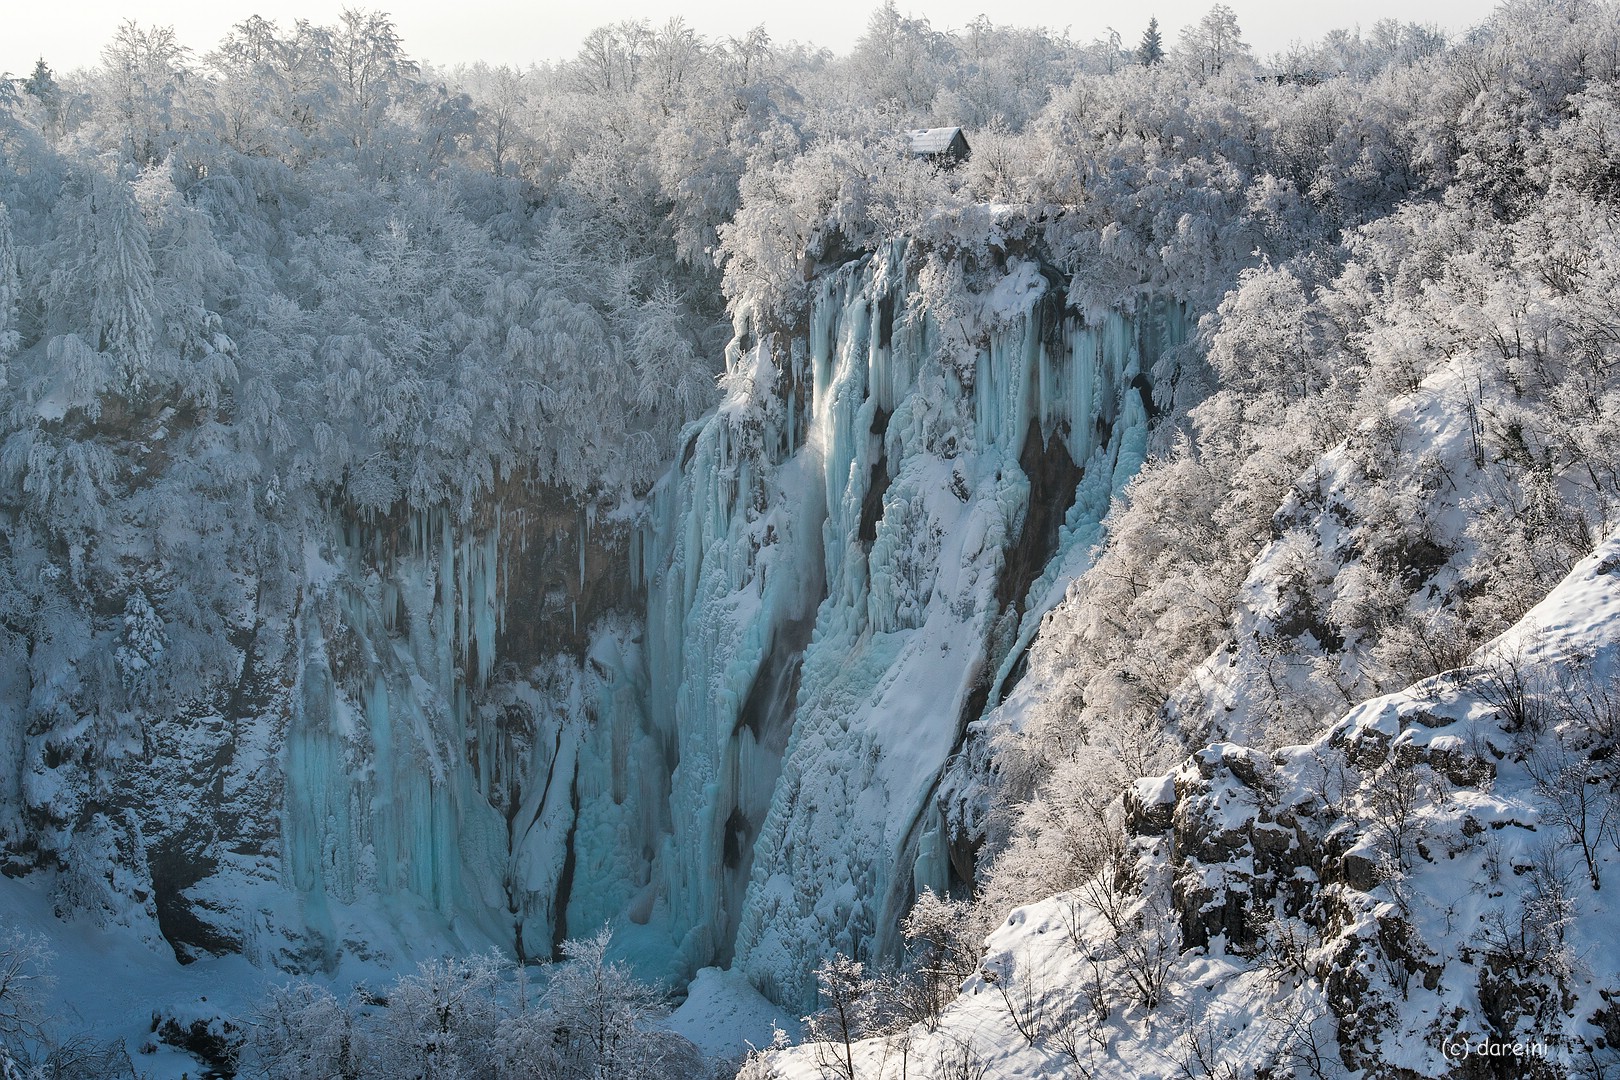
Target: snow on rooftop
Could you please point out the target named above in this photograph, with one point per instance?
(932, 140)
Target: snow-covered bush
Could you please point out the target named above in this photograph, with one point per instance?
(848, 995)
(301, 1030)
(474, 1017)
(24, 971)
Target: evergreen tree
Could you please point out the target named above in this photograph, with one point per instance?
(42, 83)
(1151, 50)
(122, 301)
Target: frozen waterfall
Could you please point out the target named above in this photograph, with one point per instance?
(840, 575)
(832, 599)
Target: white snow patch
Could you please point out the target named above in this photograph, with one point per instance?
(724, 1016)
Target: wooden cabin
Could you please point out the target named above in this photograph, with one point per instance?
(944, 145)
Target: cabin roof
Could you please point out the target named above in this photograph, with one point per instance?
(934, 140)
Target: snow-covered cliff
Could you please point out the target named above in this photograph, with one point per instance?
(857, 548)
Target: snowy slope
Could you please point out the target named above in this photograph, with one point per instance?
(1412, 878)
(1268, 685)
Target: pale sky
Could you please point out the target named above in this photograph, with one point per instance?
(70, 33)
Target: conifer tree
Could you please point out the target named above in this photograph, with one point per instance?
(42, 83)
(122, 301)
(1151, 50)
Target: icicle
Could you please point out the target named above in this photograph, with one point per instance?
(505, 572)
(447, 600)
(483, 602)
(463, 561)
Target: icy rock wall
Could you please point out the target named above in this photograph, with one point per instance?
(435, 740)
(429, 795)
(869, 486)
(383, 798)
(732, 565)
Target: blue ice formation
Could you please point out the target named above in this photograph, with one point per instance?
(839, 576)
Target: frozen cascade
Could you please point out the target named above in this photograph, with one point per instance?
(839, 576)
(394, 779)
(597, 803)
(858, 545)
(729, 564)
(824, 619)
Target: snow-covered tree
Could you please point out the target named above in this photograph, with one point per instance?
(123, 302)
(24, 976)
(847, 995)
(9, 293)
(1150, 50)
(301, 1030)
(602, 1013)
(1214, 44)
(142, 82)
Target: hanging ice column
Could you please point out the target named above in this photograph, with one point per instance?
(732, 564)
(384, 809)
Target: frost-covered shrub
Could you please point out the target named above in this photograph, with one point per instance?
(31, 1045)
(474, 1017)
(441, 1021)
(942, 949)
(301, 1030)
(848, 996)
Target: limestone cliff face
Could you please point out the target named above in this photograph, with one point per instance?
(390, 694)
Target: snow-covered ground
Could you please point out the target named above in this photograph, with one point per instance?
(726, 1017)
(107, 984)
